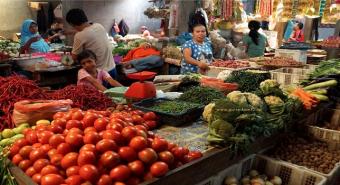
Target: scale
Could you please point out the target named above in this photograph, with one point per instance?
(142, 89)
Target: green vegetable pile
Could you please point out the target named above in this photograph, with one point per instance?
(188, 82)
(6, 177)
(121, 50)
(10, 48)
(201, 95)
(241, 118)
(173, 107)
(248, 80)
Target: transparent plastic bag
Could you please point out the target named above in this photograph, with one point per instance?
(30, 111)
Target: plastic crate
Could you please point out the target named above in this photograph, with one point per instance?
(174, 119)
(209, 181)
(290, 174)
(310, 67)
(289, 76)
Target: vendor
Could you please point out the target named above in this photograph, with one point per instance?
(145, 32)
(297, 35)
(143, 57)
(91, 37)
(255, 42)
(197, 51)
(89, 75)
(30, 40)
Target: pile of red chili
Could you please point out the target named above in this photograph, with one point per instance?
(16, 88)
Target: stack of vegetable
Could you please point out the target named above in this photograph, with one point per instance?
(243, 117)
(231, 64)
(247, 80)
(172, 52)
(201, 95)
(97, 147)
(122, 49)
(314, 155)
(9, 48)
(331, 42)
(9, 136)
(218, 84)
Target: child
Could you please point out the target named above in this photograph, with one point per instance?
(89, 75)
(297, 35)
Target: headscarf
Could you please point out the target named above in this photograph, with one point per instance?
(40, 45)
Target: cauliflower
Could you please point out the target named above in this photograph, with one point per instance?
(237, 97)
(273, 100)
(254, 100)
(268, 86)
(224, 75)
(207, 113)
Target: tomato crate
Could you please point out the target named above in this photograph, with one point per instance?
(290, 174)
(290, 76)
(174, 119)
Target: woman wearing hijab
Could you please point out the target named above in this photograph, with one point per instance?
(30, 40)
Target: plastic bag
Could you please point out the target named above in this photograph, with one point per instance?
(30, 111)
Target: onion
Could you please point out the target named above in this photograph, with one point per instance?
(253, 173)
(257, 181)
(230, 181)
(245, 180)
(268, 183)
(276, 180)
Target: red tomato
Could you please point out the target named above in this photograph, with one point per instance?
(26, 131)
(73, 170)
(30, 171)
(129, 132)
(88, 147)
(151, 134)
(137, 119)
(46, 147)
(105, 180)
(52, 179)
(148, 176)
(55, 140)
(74, 139)
(171, 145)
(40, 164)
(127, 153)
(91, 138)
(58, 115)
(31, 137)
(89, 119)
(74, 180)
(36, 145)
(52, 152)
(159, 144)
(44, 136)
(100, 124)
(150, 116)
(191, 156)
(86, 157)
(69, 160)
(25, 164)
(115, 136)
(68, 116)
(40, 128)
(89, 129)
(25, 151)
(151, 124)
(89, 173)
(166, 157)
(136, 167)
(55, 129)
(108, 134)
(133, 181)
(36, 178)
(142, 133)
(74, 124)
(56, 159)
(78, 115)
(21, 142)
(114, 126)
(148, 155)
(64, 148)
(59, 122)
(138, 143)
(14, 150)
(109, 159)
(158, 169)
(17, 158)
(49, 169)
(106, 145)
(179, 152)
(120, 173)
(76, 131)
(37, 154)
(141, 127)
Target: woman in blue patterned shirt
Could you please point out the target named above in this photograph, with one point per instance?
(197, 52)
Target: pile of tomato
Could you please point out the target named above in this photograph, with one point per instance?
(99, 148)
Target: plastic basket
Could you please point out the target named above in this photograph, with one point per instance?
(310, 67)
(289, 76)
(174, 119)
(209, 181)
(290, 174)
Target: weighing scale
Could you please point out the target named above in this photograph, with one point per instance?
(142, 89)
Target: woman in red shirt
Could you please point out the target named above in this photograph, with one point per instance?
(298, 35)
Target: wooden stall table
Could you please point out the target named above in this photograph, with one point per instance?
(56, 77)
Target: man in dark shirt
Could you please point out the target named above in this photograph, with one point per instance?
(53, 35)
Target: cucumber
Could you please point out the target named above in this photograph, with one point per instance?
(325, 84)
(321, 97)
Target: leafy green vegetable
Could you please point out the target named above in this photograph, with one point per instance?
(219, 131)
(248, 80)
(327, 68)
(5, 174)
(174, 107)
(202, 95)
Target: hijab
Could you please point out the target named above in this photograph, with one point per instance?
(40, 45)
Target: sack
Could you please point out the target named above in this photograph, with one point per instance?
(124, 28)
(30, 111)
